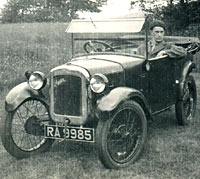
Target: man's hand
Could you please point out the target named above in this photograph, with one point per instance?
(161, 53)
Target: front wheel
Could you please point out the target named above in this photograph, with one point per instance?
(121, 138)
(186, 107)
(23, 129)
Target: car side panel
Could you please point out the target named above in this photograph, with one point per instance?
(162, 87)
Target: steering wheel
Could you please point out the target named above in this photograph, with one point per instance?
(97, 46)
(193, 47)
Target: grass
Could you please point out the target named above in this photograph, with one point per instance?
(171, 151)
(31, 47)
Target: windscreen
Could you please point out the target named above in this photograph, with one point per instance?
(109, 42)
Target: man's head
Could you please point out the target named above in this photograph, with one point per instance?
(157, 30)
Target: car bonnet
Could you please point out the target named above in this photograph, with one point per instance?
(106, 63)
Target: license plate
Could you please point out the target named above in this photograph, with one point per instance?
(69, 133)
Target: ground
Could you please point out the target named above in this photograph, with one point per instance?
(171, 151)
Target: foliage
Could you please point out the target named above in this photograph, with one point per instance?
(180, 18)
(31, 46)
(46, 10)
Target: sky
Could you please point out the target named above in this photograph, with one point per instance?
(113, 8)
(2, 2)
(116, 4)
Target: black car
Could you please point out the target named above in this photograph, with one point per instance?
(105, 94)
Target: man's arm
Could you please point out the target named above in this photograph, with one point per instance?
(173, 51)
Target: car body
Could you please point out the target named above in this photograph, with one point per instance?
(105, 96)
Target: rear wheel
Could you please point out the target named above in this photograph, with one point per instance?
(23, 129)
(185, 108)
(121, 138)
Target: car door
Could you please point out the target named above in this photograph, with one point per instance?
(161, 79)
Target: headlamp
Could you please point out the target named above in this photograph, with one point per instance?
(98, 83)
(37, 80)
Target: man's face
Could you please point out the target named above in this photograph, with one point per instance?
(158, 34)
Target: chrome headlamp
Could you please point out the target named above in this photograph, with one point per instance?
(37, 80)
(98, 83)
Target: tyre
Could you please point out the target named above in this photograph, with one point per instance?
(185, 108)
(23, 129)
(121, 138)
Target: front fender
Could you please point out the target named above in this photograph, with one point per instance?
(18, 94)
(107, 104)
(186, 70)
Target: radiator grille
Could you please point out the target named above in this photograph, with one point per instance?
(67, 95)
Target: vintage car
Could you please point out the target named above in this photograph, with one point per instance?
(105, 94)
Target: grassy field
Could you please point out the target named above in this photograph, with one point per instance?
(31, 47)
(171, 151)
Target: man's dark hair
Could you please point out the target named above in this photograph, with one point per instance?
(157, 23)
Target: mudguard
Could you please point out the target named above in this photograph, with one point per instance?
(108, 103)
(18, 94)
(186, 70)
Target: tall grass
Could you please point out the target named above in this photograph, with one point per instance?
(37, 46)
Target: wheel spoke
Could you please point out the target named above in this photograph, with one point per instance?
(123, 134)
(20, 117)
(25, 122)
(120, 139)
(27, 109)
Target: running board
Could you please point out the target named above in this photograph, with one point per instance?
(165, 109)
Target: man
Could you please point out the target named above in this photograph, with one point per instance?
(157, 46)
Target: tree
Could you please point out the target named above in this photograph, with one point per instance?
(11, 11)
(179, 17)
(83, 5)
(46, 10)
(182, 17)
